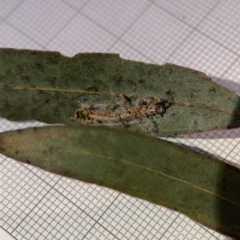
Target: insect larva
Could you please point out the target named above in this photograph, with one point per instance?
(123, 114)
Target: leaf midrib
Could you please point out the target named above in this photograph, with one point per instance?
(182, 103)
(85, 152)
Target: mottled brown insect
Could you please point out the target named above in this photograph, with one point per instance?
(121, 113)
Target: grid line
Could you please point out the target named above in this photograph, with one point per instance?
(194, 29)
(51, 188)
(32, 210)
(25, 34)
(118, 38)
(169, 226)
(13, 10)
(96, 222)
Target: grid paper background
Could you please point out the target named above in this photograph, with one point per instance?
(203, 34)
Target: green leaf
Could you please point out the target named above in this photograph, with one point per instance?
(49, 87)
(200, 187)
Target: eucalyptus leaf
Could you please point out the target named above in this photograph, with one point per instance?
(49, 87)
(203, 188)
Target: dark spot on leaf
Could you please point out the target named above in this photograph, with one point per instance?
(212, 90)
(6, 104)
(51, 148)
(128, 99)
(26, 78)
(169, 92)
(118, 79)
(195, 71)
(47, 100)
(40, 67)
(2, 149)
(19, 131)
(130, 82)
(52, 80)
(27, 161)
(54, 59)
(141, 81)
(92, 89)
(33, 52)
(19, 69)
(5, 87)
(208, 79)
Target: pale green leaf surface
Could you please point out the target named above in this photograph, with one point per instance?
(202, 188)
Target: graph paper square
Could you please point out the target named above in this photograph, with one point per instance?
(7, 7)
(92, 199)
(9, 36)
(35, 204)
(231, 77)
(57, 218)
(76, 5)
(223, 26)
(43, 24)
(115, 16)
(128, 53)
(88, 37)
(198, 52)
(151, 33)
(188, 12)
